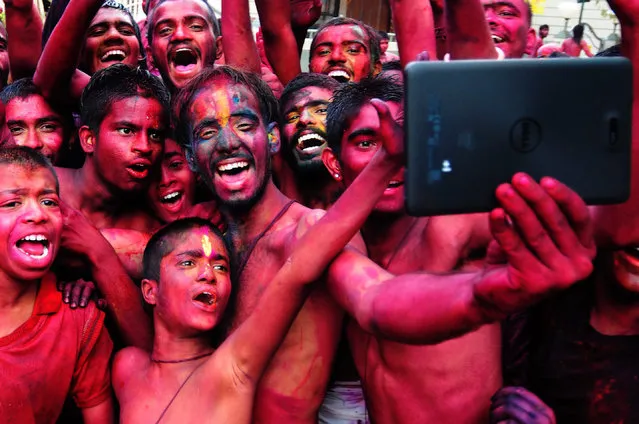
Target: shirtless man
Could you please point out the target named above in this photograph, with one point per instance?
(510, 25)
(383, 46)
(303, 176)
(228, 119)
(124, 114)
(449, 382)
(576, 44)
(188, 282)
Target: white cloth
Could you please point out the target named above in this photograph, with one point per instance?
(344, 404)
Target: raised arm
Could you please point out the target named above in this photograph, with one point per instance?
(279, 39)
(467, 31)
(239, 46)
(124, 303)
(57, 66)
(252, 345)
(24, 29)
(129, 246)
(546, 249)
(415, 29)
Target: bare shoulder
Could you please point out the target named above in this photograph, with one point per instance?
(308, 219)
(127, 363)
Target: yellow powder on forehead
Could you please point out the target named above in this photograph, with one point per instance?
(207, 247)
(222, 107)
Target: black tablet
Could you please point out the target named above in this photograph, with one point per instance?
(471, 125)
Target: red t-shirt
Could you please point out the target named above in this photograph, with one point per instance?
(57, 352)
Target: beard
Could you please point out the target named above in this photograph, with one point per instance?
(306, 167)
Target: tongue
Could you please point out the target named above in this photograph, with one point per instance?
(185, 68)
(31, 247)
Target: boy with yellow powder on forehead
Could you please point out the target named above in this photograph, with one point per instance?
(191, 374)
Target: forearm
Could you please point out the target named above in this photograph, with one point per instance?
(414, 28)
(24, 29)
(123, 298)
(467, 31)
(279, 40)
(239, 46)
(57, 65)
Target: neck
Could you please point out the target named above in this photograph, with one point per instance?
(250, 223)
(170, 347)
(14, 294)
(615, 312)
(92, 193)
(384, 232)
(318, 189)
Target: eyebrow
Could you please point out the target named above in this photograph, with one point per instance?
(171, 155)
(502, 3)
(23, 191)
(198, 254)
(243, 113)
(307, 104)
(363, 131)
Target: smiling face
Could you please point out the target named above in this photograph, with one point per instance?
(173, 193)
(342, 52)
(230, 142)
(360, 142)
(30, 222)
(33, 123)
(128, 144)
(110, 39)
(183, 41)
(195, 282)
(510, 26)
(304, 129)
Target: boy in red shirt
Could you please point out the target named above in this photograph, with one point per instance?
(47, 350)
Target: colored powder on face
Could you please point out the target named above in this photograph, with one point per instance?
(222, 107)
(207, 247)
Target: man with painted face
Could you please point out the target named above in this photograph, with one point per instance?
(31, 121)
(182, 39)
(124, 114)
(510, 26)
(228, 121)
(303, 176)
(345, 49)
(404, 383)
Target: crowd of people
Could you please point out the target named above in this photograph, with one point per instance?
(194, 230)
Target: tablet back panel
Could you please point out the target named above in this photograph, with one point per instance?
(471, 125)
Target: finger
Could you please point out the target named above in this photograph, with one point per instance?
(87, 291)
(75, 293)
(510, 242)
(511, 411)
(101, 304)
(574, 208)
(388, 128)
(60, 285)
(66, 294)
(548, 212)
(533, 233)
(494, 254)
(423, 57)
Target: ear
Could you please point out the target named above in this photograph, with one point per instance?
(332, 163)
(531, 41)
(87, 139)
(273, 138)
(190, 159)
(149, 291)
(149, 56)
(377, 68)
(219, 49)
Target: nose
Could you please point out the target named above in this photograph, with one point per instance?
(181, 32)
(491, 16)
(227, 140)
(207, 275)
(34, 212)
(142, 145)
(112, 33)
(167, 177)
(337, 55)
(306, 118)
(31, 140)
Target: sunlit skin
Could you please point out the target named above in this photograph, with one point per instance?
(509, 25)
(29, 205)
(227, 129)
(342, 52)
(33, 123)
(183, 40)
(110, 39)
(304, 114)
(172, 192)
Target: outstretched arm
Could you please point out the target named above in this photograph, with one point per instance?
(415, 29)
(467, 31)
(545, 233)
(256, 340)
(279, 40)
(24, 29)
(124, 303)
(240, 49)
(56, 69)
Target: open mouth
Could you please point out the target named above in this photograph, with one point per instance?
(632, 252)
(340, 75)
(206, 298)
(497, 39)
(395, 184)
(310, 143)
(233, 168)
(113, 56)
(139, 170)
(35, 246)
(171, 198)
(184, 59)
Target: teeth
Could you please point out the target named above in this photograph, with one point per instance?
(113, 53)
(310, 136)
(231, 166)
(497, 39)
(183, 49)
(35, 237)
(171, 195)
(44, 254)
(338, 74)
